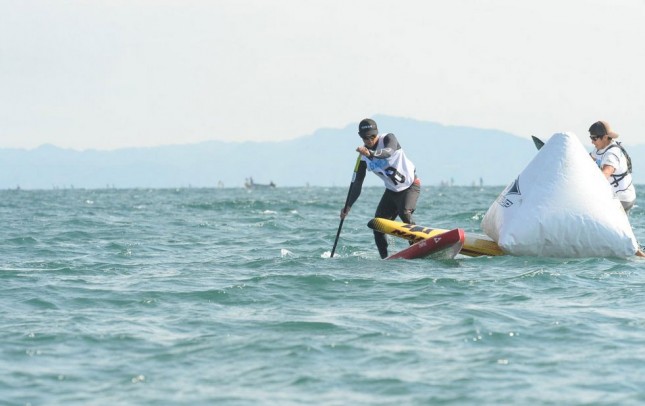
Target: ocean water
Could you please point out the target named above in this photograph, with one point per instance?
(228, 296)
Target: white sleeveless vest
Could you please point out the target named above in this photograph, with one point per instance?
(623, 188)
(397, 171)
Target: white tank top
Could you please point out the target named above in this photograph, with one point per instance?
(396, 171)
(624, 188)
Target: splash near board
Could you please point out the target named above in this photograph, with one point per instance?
(441, 246)
(474, 244)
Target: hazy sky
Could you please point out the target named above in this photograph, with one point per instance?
(116, 73)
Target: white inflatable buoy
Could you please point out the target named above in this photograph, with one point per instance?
(560, 206)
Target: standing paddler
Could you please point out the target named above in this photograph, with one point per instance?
(383, 155)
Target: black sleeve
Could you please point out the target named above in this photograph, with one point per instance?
(357, 185)
(390, 144)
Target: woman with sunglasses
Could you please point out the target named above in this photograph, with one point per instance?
(613, 161)
(383, 155)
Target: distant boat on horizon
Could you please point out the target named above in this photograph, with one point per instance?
(249, 184)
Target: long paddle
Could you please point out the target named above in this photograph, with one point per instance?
(340, 226)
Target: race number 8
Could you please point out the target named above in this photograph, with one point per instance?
(395, 175)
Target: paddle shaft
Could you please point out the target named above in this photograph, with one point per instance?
(349, 192)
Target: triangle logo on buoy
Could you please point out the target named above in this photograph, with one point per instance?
(514, 189)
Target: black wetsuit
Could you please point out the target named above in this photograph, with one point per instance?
(393, 203)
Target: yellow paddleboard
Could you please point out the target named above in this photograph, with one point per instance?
(474, 245)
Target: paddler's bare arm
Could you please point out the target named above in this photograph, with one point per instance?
(608, 170)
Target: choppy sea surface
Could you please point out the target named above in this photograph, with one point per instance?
(228, 296)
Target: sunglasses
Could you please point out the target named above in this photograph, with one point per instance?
(368, 137)
(596, 137)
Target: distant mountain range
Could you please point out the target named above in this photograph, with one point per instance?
(443, 154)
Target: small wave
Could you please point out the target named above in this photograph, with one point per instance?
(306, 326)
(40, 304)
(74, 235)
(22, 241)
